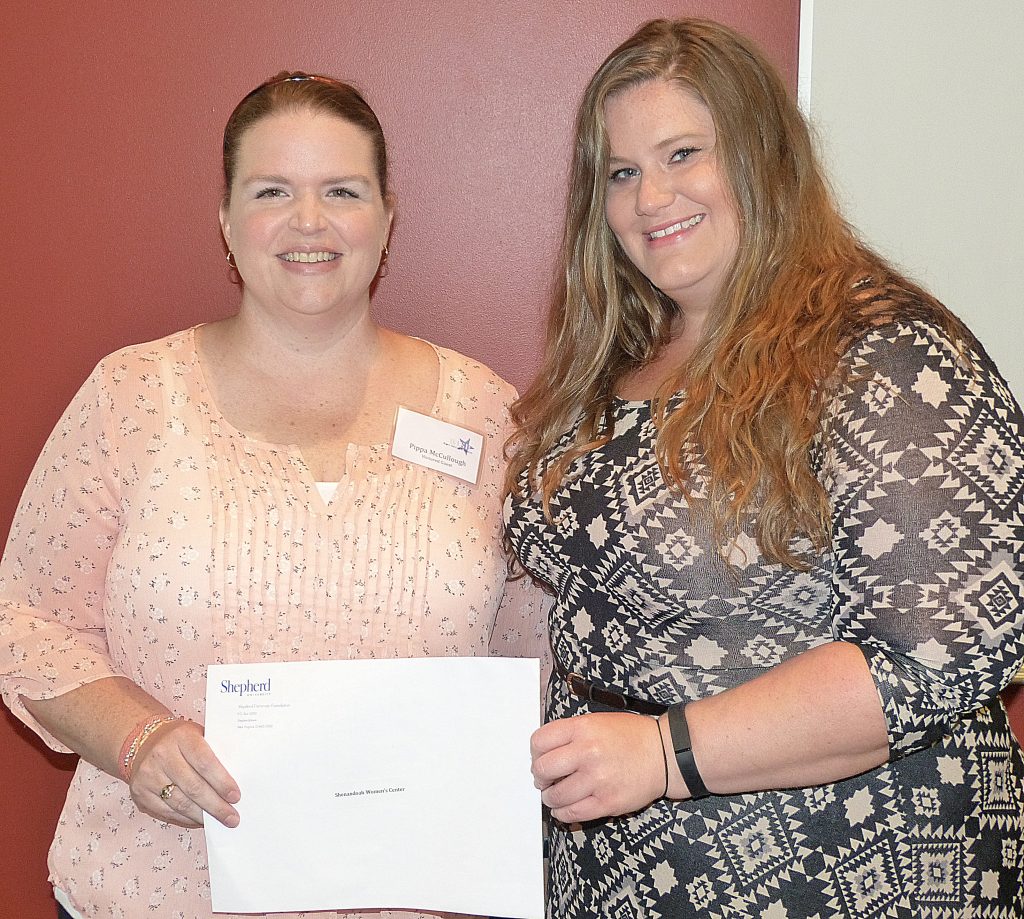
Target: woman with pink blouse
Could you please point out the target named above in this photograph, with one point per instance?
(228, 494)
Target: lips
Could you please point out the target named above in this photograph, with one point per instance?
(308, 258)
(673, 228)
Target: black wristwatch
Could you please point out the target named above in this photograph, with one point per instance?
(680, 732)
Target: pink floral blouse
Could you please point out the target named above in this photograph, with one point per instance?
(153, 539)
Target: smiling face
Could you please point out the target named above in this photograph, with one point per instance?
(668, 202)
(306, 220)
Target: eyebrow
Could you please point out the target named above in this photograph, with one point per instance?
(281, 180)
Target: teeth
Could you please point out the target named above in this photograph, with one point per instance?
(309, 256)
(676, 227)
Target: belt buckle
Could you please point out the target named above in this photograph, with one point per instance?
(578, 686)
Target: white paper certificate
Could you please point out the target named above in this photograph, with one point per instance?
(378, 784)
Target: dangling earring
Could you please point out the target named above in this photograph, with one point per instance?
(382, 269)
(233, 276)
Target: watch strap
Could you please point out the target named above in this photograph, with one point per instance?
(680, 732)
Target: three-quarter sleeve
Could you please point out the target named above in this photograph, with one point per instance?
(520, 625)
(923, 459)
(52, 636)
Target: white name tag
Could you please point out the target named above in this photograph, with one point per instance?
(437, 445)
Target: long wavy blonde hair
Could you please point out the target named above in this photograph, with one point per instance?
(755, 384)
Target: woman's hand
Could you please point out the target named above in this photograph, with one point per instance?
(598, 765)
(178, 758)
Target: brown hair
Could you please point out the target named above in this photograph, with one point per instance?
(755, 382)
(293, 90)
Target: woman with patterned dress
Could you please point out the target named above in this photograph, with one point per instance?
(777, 491)
(228, 494)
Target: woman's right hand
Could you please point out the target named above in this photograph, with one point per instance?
(178, 757)
(600, 764)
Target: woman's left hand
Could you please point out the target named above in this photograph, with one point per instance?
(177, 778)
(598, 765)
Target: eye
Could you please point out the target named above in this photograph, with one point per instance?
(683, 154)
(621, 175)
(270, 193)
(342, 192)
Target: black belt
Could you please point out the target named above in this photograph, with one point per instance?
(590, 692)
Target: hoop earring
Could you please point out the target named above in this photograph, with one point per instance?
(382, 268)
(230, 259)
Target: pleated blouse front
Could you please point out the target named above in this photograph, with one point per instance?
(154, 539)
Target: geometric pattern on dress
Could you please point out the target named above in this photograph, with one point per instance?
(537, 557)
(996, 597)
(788, 602)
(984, 454)
(1000, 798)
(618, 575)
(919, 457)
(643, 484)
(938, 874)
(867, 882)
(758, 845)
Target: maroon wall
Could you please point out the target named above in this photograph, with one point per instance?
(112, 116)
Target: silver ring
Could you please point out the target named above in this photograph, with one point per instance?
(167, 791)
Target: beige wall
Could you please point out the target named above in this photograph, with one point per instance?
(918, 108)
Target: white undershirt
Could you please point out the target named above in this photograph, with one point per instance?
(327, 490)
(62, 899)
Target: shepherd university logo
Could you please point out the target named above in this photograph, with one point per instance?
(248, 688)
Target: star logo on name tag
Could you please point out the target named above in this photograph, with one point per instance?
(437, 444)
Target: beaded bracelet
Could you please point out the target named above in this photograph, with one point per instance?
(136, 738)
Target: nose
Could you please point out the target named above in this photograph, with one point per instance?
(307, 215)
(653, 193)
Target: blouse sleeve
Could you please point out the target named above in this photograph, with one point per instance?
(52, 636)
(520, 625)
(923, 460)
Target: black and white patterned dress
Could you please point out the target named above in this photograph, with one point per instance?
(924, 465)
